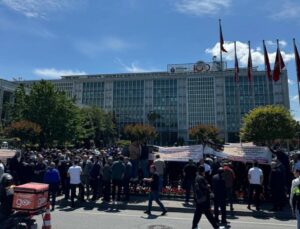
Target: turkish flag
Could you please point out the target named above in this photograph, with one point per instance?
(222, 39)
(267, 62)
(297, 60)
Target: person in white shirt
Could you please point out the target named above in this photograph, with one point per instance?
(255, 177)
(74, 173)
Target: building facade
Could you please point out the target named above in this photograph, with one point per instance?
(183, 96)
(7, 89)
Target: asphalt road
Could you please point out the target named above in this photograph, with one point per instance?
(128, 219)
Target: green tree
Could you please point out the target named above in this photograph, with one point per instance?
(264, 125)
(140, 132)
(53, 111)
(204, 134)
(17, 109)
(97, 126)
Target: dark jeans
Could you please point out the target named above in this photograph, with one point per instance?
(73, 192)
(126, 188)
(189, 185)
(53, 190)
(154, 195)
(200, 209)
(229, 193)
(116, 183)
(106, 190)
(258, 189)
(95, 187)
(222, 205)
(67, 188)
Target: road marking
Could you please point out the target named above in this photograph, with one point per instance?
(179, 218)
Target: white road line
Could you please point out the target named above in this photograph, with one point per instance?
(186, 219)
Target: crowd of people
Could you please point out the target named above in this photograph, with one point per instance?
(110, 174)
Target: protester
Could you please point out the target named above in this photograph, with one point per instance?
(95, 174)
(155, 189)
(39, 169)
(202, 200)
(255, 176)
(127, 177)
(189, 173)
(229, 177)
(277, 186)
(117, 174)
(295, 196)
(74, 173)
(52, 178)
(160, 169)
(2, 168)
(86, 167)
(219, 191)
(107, 179)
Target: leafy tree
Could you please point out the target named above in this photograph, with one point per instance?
(204, 134)
(26, 130)
(264, 125)
(140, 132)
(16, 111)
(97, 125)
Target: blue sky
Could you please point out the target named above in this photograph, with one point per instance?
(49, 38)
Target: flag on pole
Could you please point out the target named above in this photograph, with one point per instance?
(297, 60)
(221, 38)
(236, 65)
(279, 64)
(249, 63)
(267, 62)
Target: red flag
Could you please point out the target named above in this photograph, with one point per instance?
(221, 38)
(236, 65)
(297, 60)
(267, 62)
(249, 64)
(279, 65)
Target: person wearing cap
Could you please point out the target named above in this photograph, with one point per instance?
(52, 178)
(219, 191)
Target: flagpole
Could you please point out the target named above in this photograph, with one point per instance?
(297, 67)
(252, 78)
(279, 61)
(267, 76)
(221, 55)
(237, 81)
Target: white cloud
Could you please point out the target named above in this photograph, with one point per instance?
(282, 43)
(202, 7)
(291, 82)
(242, 53)
(134, 67)
(91, 48)
(38, 8)
(285, 9)
(52, 73)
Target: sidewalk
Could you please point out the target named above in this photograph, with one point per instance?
(140, 203)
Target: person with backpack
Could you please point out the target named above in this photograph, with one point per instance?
(295, 196)
(202, 199)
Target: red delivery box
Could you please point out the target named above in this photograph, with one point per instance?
(30, 197)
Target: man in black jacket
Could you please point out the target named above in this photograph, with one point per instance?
(219, 190)
(202, 199)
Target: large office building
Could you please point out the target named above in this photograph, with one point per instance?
(183, 96)
(7, 90)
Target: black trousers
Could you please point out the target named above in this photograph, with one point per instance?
(126, 189)
(53, 190)
(106, 190)
(222, 205)
(95, 187)
(258, 189)
(73, 192)
(203, 209)
(116, 184)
